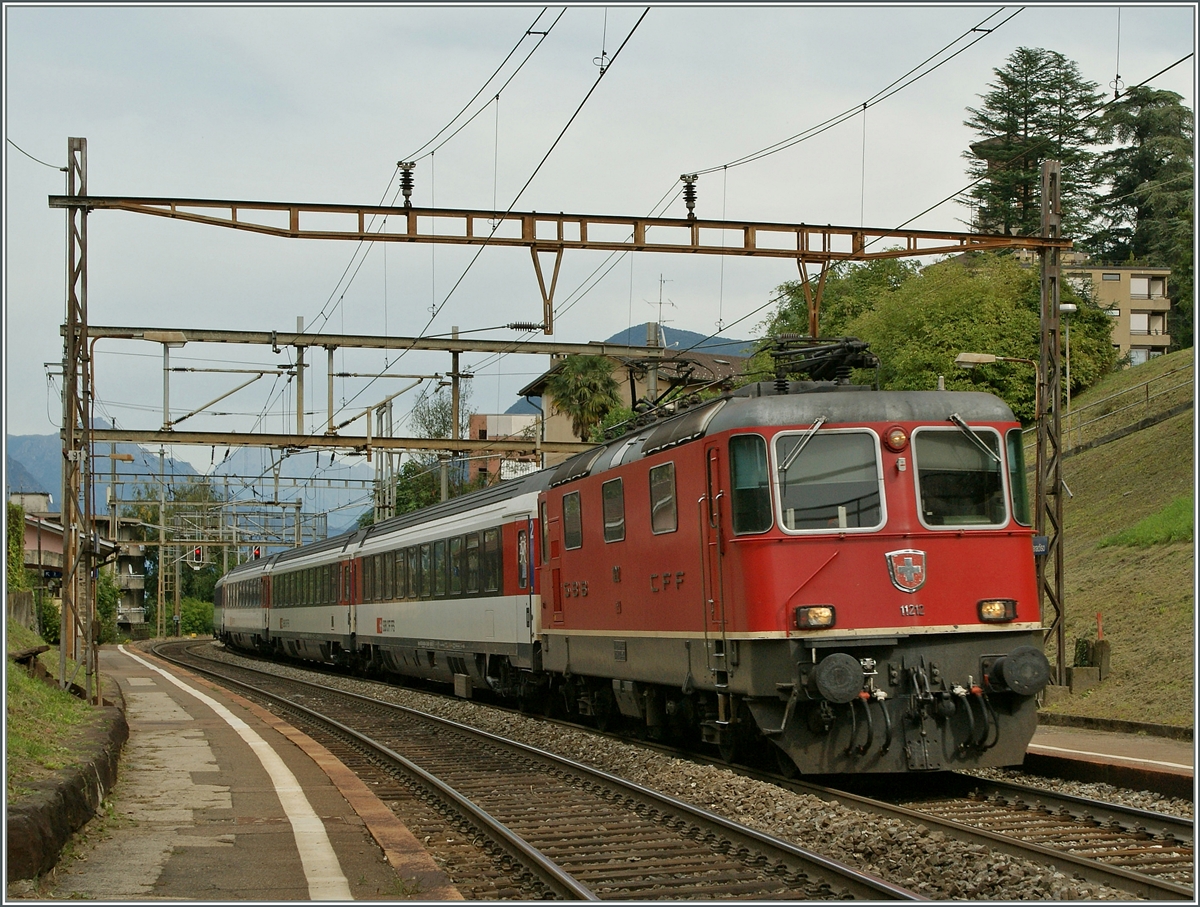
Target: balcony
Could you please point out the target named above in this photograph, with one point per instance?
(135, 582)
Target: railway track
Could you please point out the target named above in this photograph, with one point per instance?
(559, 828)
(1148, 854)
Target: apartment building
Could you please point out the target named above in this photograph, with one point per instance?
(1135, 298)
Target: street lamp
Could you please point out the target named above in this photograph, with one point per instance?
(1068, 308)
(970, 360)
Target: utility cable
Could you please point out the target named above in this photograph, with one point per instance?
(1024, 153)
(479, 251)
(32, 158)
(883, 94)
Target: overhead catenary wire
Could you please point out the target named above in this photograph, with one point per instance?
(32, 158)
(896, 86)
(485, 243)
(1026, 151)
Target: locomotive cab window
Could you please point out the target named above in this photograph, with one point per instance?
(830, 480)
(572, 521)
(751, 484)
(663, 517)
(1016, 476)
(959, 477)
(614, 510)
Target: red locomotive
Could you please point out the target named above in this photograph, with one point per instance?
(843, 572)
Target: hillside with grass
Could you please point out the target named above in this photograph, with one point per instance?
(1128, 545)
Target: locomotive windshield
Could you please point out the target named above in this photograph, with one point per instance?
(833, 483)
(958, 483)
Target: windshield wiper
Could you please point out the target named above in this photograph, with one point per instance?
(966, 429)
(800, 445)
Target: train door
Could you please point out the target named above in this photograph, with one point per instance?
(346, 571)
(713, 542)
(525, 563)
(553, 555)
(265, 604)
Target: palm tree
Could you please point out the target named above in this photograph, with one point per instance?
(583, 388)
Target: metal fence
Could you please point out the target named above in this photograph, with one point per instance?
(1127, 407)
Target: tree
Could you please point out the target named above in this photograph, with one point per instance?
(583, 388)
(16, 577)
(419, 483)
(1033, 112)
(986, 303)
(850, 289)
(1146, 214)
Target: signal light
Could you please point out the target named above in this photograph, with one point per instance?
(197, 555)
(256, 552)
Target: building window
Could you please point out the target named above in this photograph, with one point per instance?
(1111, 277)
(1113, 313)
(1139, 287)
(1139, 323)
(663, 516)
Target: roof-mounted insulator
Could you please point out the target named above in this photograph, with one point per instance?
(406, 180)
(526, 326)
(689, 194)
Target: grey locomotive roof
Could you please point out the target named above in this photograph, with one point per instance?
(750, 407)
(879, 406)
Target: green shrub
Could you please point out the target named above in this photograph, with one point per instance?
(196, 616)
(1174, 523)
(49, 618)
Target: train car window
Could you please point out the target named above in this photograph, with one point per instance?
(425, 571)
(401, 574)
(958, 484)
(572, 521)
(663, 516)
(522, 559)
(834, 482)
(368, 572)
(456, 565)
(439, 568)
(472, 562)
(379, 570)
(545, 534)
(389, 575)
(414, 572)
(751, 480)
(613, 493)
(1016, 476)
(491, 560)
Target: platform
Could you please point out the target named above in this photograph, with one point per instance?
(219, 800)
(1126, 760)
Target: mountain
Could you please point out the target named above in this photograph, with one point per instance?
(677, 339)
(34, 465)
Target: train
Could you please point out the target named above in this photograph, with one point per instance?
(839, 576)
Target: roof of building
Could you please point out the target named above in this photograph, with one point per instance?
(672, 366)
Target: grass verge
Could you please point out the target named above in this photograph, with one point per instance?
(1143, 596)
(42, 722)
(1174, 523)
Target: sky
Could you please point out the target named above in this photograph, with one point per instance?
(318, 103)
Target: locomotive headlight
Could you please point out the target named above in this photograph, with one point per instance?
(896, 439)
(815, 617)
(997, 610)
